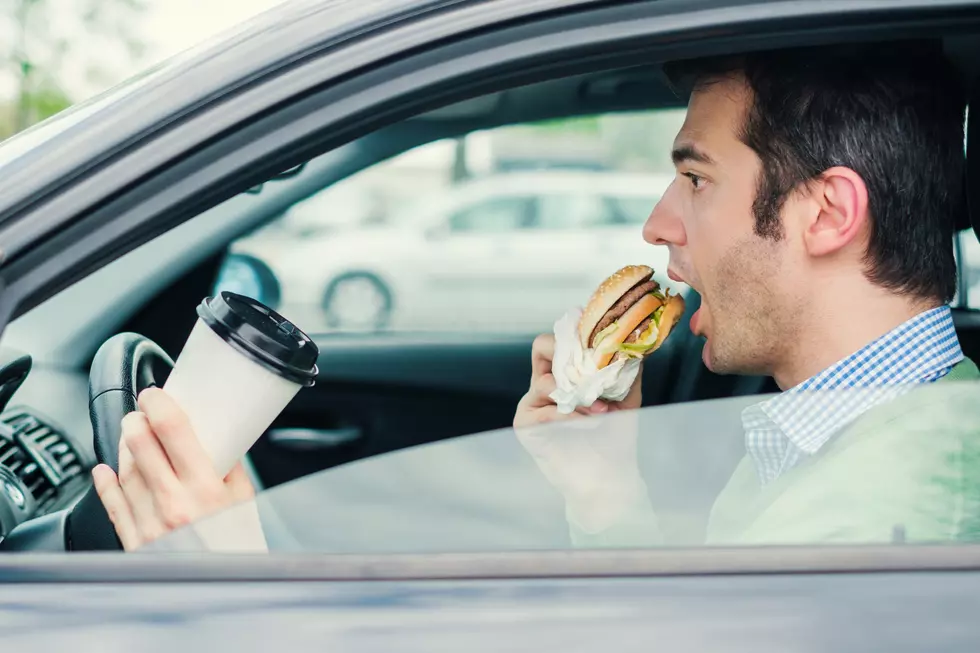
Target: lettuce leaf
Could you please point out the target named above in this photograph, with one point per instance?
(602, 335)
(657, 314)
(637, 349)
(646, 342)
(633, 347)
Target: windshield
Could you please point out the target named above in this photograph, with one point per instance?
(16, 145)
(689, 475)
(26, 140)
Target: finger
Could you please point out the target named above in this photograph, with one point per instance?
(172, 428)
(635, 397)
(173, 506)
(149, 457)
(542, 355)
(598, 408)
(239, 484)
(541, 389)
(551, 414)
(134, 486)
(112, 497)
(529, 414)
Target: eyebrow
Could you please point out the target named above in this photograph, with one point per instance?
(683, 153)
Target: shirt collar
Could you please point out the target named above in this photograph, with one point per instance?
(921, 350)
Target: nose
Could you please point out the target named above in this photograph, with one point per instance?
(665, 226)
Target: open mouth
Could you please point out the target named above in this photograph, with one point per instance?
(695, 323)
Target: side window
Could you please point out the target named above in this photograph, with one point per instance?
(631, 210)
(499, 214)
(571, 211)
(969, 269)
(435, 239)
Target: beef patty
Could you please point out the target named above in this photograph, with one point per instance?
(638, 331)
(623, 305)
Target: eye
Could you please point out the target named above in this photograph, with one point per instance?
(696, 181)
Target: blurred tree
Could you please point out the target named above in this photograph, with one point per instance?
(50, 40)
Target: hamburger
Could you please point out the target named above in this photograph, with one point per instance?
(628, 316)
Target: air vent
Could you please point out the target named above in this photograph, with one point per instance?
(41, 456)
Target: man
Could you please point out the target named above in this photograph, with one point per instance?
(813, 210)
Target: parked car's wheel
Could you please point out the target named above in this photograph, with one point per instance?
(358, 301)
(249, 276)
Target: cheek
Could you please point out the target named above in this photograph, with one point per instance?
(709, 236)
(720, 216)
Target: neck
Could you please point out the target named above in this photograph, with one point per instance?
(842, 324)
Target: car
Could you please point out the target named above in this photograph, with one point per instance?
(409, 514)
(552, 234)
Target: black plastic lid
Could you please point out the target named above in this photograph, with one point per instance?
(263, 335)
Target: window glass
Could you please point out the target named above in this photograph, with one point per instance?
(631, 210)
(969, 268)
(571, 212)
(498, 214)
(680, 474)
(489, 232)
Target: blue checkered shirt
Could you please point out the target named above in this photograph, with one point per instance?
(781, 432)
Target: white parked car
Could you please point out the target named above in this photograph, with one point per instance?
(503, 253)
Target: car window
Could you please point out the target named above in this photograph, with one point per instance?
(572, 211)
(371, 252)
(498, 214)
(631, 210)
(679, 475)
(969, 269)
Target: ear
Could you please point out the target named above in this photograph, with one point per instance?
(841, 201)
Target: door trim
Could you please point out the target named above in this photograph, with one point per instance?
(608, 563)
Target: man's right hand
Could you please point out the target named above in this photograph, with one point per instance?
(165, 478)
(537, 407)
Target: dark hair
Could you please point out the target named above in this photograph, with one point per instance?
(894, 114)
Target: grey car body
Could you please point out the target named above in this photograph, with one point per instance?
(314, 75)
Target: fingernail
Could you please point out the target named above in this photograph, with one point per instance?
(99, 472)
(599, 407)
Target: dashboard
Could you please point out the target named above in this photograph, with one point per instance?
(45, 441)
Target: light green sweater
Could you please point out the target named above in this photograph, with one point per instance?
(909, 469)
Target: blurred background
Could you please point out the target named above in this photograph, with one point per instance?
(58, 52)
(500, 230)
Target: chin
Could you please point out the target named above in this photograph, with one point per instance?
(716, 360)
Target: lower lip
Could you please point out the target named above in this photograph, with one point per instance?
(695, 321)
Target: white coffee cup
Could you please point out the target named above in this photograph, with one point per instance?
(240, 367)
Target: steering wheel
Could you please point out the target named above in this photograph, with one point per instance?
(124, 366)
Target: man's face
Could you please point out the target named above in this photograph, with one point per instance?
(706, 220)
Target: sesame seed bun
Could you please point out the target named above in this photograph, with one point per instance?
(625, 301)
(607, 294)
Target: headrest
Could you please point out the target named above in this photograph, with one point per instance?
(973, 159)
